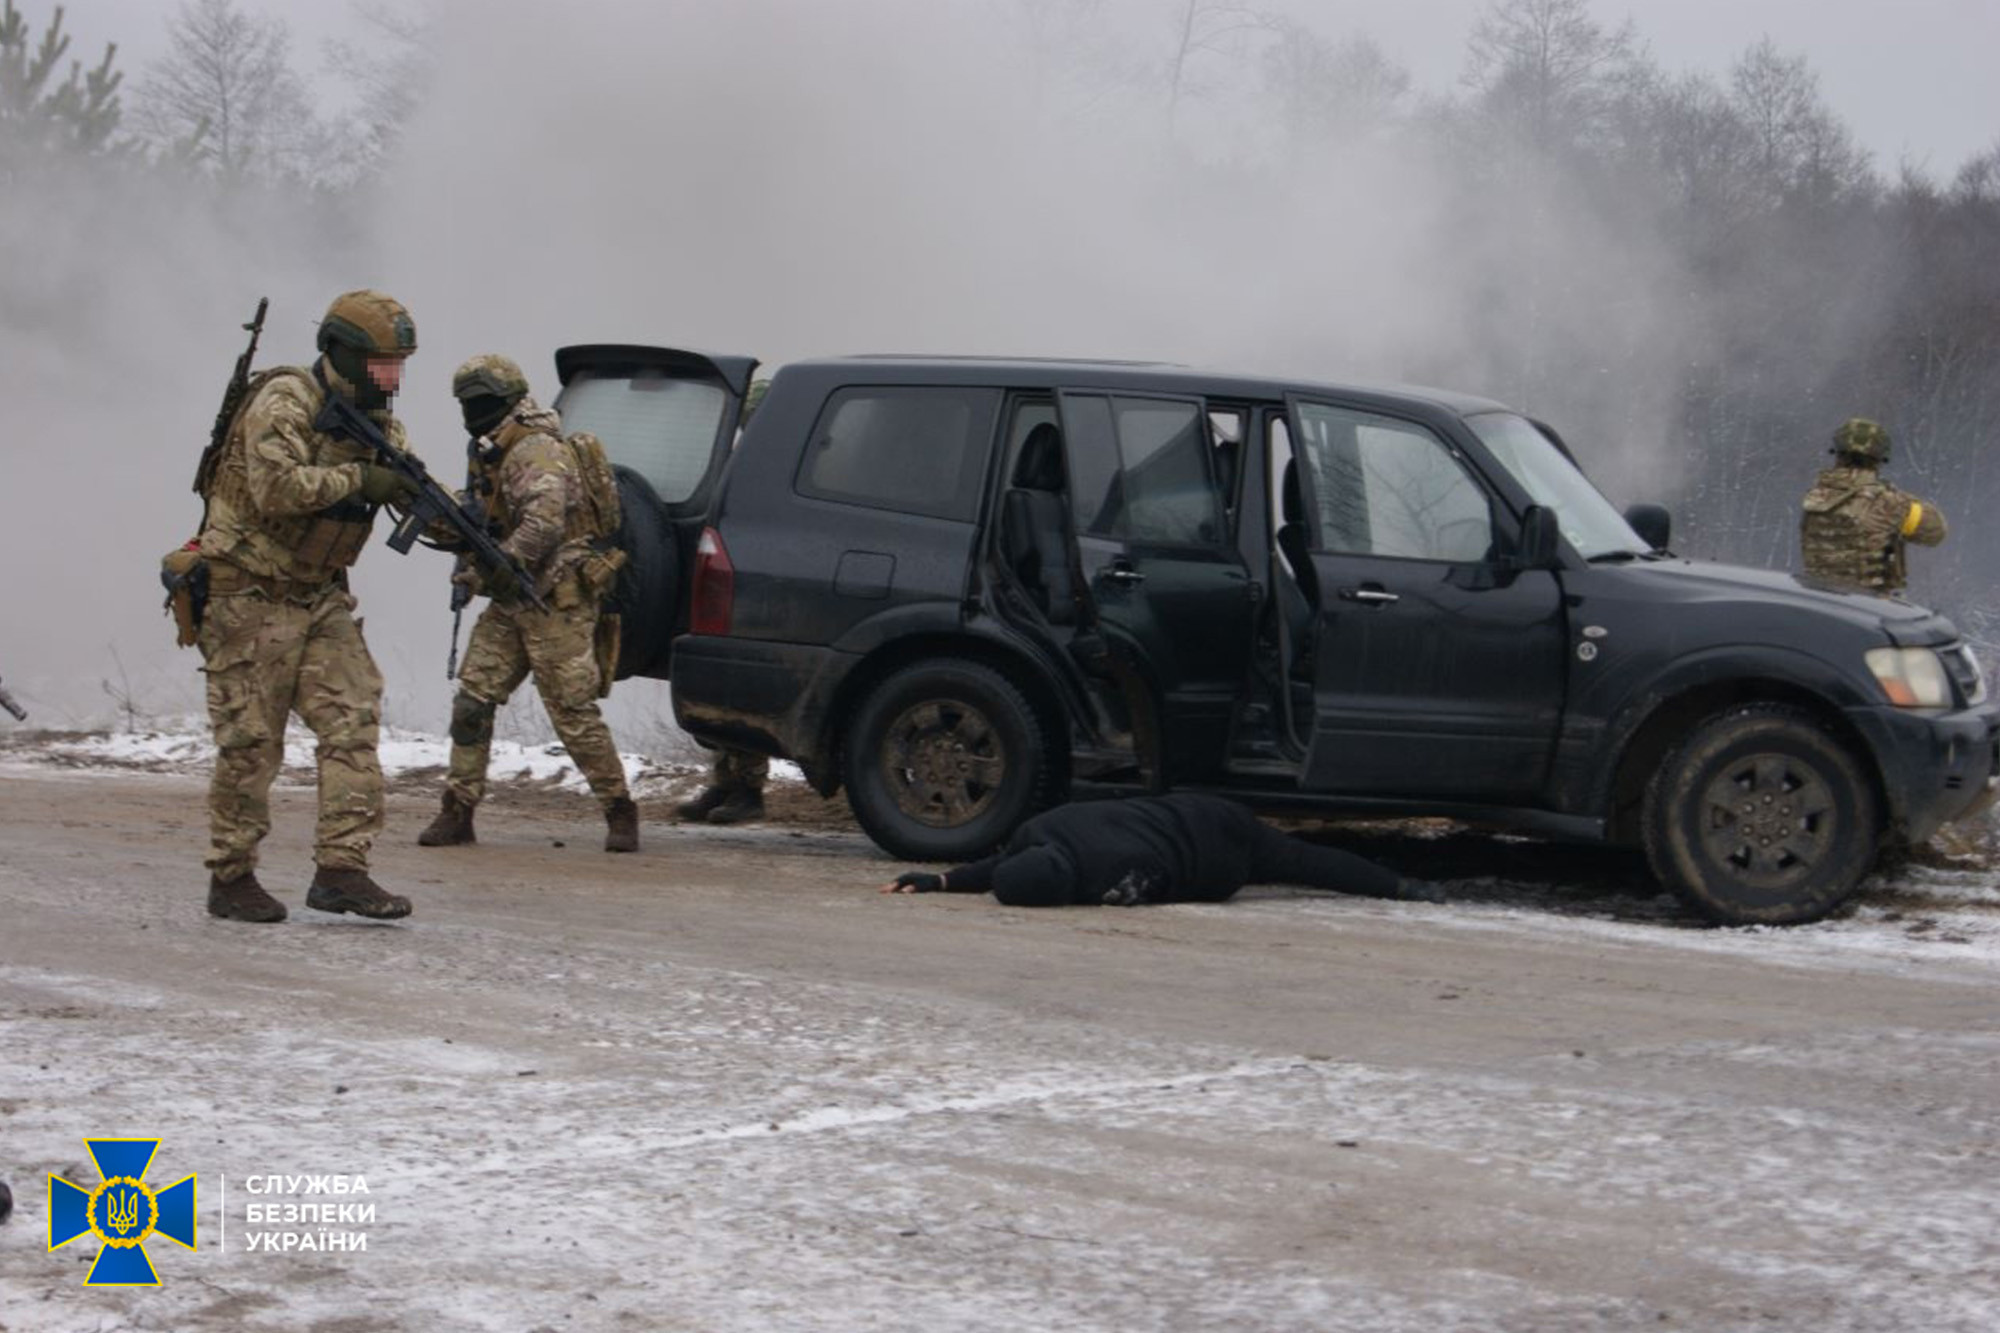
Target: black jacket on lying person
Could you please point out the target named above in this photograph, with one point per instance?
(1180, 848)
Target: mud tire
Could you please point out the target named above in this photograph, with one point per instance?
(945, 759)
(1762, 816)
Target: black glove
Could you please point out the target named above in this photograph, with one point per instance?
(383, 486)
(919, 881)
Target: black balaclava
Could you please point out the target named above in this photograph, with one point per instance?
(351, 364)
(484, 412)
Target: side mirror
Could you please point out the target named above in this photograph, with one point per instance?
(1653, 524)
(1539, 538)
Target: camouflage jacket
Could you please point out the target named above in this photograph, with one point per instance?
(285, 503)
(533, 495)
(1855, 527)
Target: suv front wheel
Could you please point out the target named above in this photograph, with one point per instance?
(1761, 817)
(944, 759)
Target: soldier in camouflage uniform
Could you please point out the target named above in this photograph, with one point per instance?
(1856, 525)
(529, 479)
(288, 510)
(735, 791)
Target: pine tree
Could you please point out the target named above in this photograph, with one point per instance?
(38, 114)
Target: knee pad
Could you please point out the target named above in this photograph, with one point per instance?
(471, 720)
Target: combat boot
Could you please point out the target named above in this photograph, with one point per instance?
(451, 828)
(697, 809)
(352, 891)
(738, 807)
(242, 899)
(621, 821)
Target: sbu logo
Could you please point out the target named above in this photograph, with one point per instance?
(121, 1213)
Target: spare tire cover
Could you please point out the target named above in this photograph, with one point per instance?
(647, 597)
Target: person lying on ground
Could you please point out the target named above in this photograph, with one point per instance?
(1156, 849)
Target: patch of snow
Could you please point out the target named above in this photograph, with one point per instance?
(190, 750)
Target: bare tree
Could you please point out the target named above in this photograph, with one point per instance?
(226, 86)
(1703, 151)
(388, 74)
(1329, 91)
(1545, 67)
(1800, 146)
(1203, 28)
(1978, 181)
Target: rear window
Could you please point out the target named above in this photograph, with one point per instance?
(660, 425)
(920, 451)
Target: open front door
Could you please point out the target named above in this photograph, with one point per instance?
(1438, 666)
(667, 419)
(1156, 556)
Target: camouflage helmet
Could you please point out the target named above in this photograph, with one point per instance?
(754, 398)
(369, 322)
(489, 376)
(1863, 441)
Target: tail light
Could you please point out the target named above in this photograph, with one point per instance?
(712, 602)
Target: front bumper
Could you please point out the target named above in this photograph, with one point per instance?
(1936, 766)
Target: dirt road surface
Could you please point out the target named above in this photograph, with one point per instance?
(725, 1085)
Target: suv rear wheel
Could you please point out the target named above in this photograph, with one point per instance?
(1761, 817)
(944, 759)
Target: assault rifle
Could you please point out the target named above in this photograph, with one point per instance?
(232, 399)
(430, 504)
(7, 702)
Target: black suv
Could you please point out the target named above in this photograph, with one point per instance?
(956, 587)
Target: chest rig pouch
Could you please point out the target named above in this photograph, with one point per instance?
(334, 537)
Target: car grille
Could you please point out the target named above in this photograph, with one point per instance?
(1965, 672)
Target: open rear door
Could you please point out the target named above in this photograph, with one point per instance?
(1157, 558)
(668, 419)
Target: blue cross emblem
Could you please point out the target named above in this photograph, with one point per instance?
(122, 1212)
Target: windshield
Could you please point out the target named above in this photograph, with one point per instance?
(661, 426)
(1586, 518)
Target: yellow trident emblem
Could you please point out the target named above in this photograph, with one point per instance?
(124, 1210)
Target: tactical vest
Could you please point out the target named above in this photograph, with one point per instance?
(1851, 530)
(305, 548)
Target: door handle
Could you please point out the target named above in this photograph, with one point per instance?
(1123, 574)
(1373, 596)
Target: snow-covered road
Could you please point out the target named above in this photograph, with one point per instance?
(725, 1085)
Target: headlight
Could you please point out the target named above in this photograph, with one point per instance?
(1911, 677)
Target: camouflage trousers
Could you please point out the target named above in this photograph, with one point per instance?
(558, 647)
(266, 659)
(739, 770)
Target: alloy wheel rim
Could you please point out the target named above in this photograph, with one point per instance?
(944, 762)
(1769, 818)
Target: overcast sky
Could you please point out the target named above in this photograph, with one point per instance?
(1913, 78)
